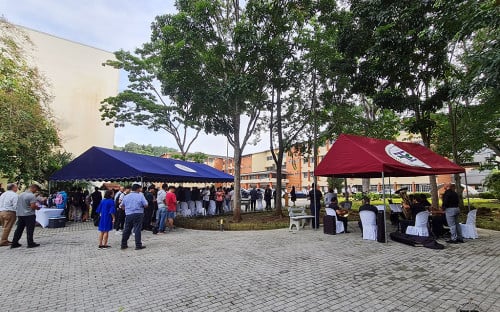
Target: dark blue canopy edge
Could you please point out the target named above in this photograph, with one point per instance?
(102, 164)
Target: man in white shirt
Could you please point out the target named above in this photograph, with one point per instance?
(329, 196)
(8, 206)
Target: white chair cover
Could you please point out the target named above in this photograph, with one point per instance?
(211, 208)
(259, 205)
(469, 229)
(395, 207)
(199, 208)
(339, 225)
(192, 206)
(369, 222)
(420, 228)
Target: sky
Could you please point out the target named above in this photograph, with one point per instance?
(110, 25)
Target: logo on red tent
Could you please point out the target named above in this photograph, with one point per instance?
(404, 157)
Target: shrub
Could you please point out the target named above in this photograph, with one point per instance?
(486, 195)
(493, 184)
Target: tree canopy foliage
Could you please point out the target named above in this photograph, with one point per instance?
(28, 135)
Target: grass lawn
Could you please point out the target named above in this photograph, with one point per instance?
(488, 217)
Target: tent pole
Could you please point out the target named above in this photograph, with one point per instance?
(346, 192)
(467, 189)
(390, 190)
(383, 199)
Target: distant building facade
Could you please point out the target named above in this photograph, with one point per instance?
(78, 84)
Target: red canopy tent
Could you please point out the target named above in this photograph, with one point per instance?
(353, 156)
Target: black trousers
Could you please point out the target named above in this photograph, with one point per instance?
(120, 219)
(268, 204)
(252, 204)
(315, 213)
(27, 222)
(148, 216)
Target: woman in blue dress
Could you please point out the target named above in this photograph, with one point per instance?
(106, 211)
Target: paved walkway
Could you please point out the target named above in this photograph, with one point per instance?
(273, 270)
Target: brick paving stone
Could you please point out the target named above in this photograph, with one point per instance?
(273, 270)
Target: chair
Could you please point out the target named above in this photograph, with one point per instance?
(339, 225)
(469, 229)
(369, 223)
(420, 228)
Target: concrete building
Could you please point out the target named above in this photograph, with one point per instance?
(78, 84)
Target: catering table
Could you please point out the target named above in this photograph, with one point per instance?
(44, 214)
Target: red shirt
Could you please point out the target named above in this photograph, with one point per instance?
(171, 202)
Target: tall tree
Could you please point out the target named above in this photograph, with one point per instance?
(144, 104)
(402, 59)
(202, 59)
(278, 28)
(28, 135)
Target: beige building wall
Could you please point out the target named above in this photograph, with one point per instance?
(78, 83)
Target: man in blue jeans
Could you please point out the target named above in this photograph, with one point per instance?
(134, 204)
(450, 206)
(161, 215)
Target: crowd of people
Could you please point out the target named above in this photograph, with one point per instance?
(132, 209)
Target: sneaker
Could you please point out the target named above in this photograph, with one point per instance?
(15, 245)
(140, 247)
(34, 245)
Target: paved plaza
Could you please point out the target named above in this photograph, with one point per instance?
(273, 270)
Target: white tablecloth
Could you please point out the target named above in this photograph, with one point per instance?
(43, 215)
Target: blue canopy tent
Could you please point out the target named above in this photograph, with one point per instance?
(102, 164)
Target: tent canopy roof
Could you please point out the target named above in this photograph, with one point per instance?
(102, 164)
(354, 156)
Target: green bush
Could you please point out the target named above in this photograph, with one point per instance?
(493, 184)
(486, 195)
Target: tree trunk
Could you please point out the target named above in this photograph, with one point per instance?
(366, 185)
(434, 191)
(237, 173)
(454, 150)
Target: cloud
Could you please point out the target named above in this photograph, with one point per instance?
(110, 25)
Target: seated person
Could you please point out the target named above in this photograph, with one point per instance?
(437, 219)
(341, 213)
(366, 206)
(417, 205)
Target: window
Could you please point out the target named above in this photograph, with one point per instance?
(268, 158)
(304, 175)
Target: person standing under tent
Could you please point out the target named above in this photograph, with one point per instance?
(171, 201)
(253, 198)
(133, 204)
(219, 201)
(148, 211)
(161, 215)
(106, 211)
(451, 210)
(315, 197)
(268, 195)
(96, 197)
(329, 196)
